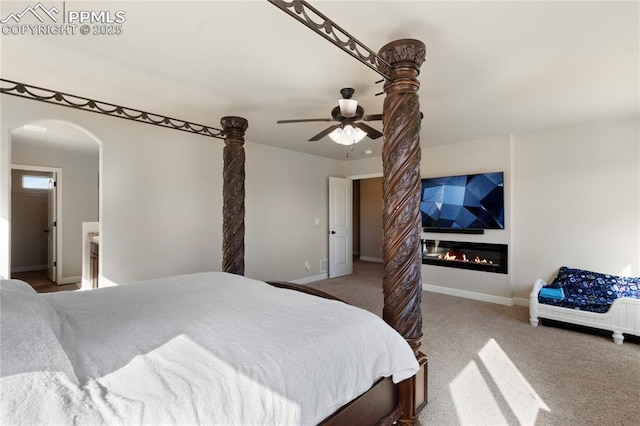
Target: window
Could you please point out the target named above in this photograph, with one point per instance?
(35, 182)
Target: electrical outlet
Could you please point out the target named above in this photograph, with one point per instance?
(307, 265)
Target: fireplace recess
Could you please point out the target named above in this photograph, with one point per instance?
(486, 257)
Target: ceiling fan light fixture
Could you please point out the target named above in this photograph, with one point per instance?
(348, 132)
(348, 107)
(359, 135)
(347, 135)
(336, 135)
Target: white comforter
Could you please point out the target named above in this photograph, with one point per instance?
(209, 348)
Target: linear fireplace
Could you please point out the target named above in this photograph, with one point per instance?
(465, 255)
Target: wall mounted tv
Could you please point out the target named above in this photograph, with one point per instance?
(465, 202)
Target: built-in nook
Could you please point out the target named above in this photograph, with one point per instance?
(466, 255)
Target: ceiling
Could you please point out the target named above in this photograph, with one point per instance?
(59, 133)
(492, 68)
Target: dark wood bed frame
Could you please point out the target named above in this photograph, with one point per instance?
(385, 403)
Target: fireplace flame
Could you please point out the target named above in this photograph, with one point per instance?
(459, 256)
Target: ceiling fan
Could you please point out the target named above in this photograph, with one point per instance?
(349, 130)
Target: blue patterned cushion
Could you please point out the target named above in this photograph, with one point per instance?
(591, 291)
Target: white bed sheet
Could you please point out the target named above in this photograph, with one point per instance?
(209, 348)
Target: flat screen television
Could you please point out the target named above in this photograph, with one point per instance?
(463, 202)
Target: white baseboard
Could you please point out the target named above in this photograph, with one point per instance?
(372, 259)
(311, 279)
(28, 268)
(468, 294)
(519, 301)
(70, 280)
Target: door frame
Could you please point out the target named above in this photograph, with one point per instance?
(363, 177)
(57, 173)
(52, 227)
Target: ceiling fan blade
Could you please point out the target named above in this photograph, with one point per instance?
(304, 120)
(378, 117)
(372, 117)
(371, 132)
(324, 133)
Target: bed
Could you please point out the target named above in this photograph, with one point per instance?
(257, 354)
(78, 390)
(590, 299)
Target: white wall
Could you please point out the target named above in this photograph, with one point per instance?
(480, 156)
(286, 192)
(572, 198)
(79, 185)
(161, 205)
(364, 168)
(487, 155)
(161, 199)
(577, 201)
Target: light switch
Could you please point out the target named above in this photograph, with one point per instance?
(317, 221)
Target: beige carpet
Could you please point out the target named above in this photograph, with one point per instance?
(489, 366)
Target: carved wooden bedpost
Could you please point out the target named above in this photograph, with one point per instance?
(233, 195)
(402, 284)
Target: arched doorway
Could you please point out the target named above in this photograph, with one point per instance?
(69, 156)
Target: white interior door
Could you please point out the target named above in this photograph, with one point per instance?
(340, 227)
(52, 234)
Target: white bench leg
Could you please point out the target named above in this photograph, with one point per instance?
(618, 338)
(533, 321)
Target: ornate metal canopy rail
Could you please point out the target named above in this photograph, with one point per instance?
(78, 102)
(332, 32)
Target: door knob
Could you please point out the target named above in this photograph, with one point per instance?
(332, 232)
